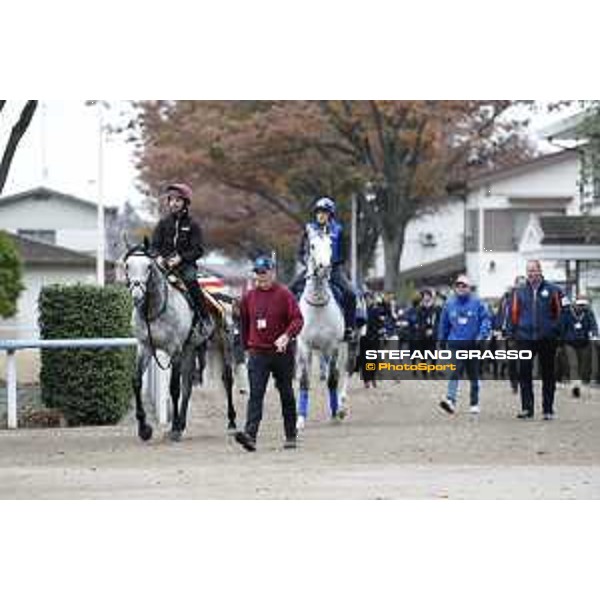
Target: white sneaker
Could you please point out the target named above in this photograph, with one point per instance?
(474, 410)
(300, 423)
(447, 405)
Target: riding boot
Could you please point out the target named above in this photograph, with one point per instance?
(200, 307)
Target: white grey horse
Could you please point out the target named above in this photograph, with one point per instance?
(163, 320)
(323, 330)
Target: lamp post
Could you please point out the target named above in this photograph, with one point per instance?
(101, 229)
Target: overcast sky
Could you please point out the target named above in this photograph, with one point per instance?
(60, 150)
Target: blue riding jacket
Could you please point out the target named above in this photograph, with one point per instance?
(337, 242)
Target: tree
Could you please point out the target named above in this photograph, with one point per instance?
(17, 132)
(10, 276)
(396, 156)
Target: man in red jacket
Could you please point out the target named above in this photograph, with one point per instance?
(270, 321)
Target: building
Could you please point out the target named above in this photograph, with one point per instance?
(52, 217)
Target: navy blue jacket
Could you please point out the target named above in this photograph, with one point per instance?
(579, 326)
(336, 232)
(536, 314)
(464, 318)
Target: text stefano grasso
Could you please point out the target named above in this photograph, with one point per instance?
(448, 354)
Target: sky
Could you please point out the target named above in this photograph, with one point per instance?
(61, 147)
(60, 150)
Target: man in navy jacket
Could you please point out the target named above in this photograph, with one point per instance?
(535, 320)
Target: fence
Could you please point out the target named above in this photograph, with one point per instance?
(156, 380)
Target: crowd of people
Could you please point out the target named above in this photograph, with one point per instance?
(533, 314)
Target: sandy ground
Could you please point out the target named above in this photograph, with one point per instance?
(396, 443)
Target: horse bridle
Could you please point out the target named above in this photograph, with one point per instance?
(145, 286)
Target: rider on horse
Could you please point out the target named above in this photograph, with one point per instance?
(177, 239)
(324, 219)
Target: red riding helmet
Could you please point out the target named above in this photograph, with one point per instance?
(183, 190)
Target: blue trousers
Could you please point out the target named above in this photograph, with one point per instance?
(470, 366)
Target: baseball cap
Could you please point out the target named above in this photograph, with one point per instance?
(263, 263)
(463, 279)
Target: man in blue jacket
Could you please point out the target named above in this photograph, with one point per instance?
(535, 323)
(465, 321)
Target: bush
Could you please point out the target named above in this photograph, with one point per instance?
(10, 276)
(89, 386)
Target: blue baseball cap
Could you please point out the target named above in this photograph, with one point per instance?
(263, 263)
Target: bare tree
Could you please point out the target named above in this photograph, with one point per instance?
(17, 132)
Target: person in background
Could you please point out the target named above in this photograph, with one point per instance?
(500, 327)
(426, 323)
(535, 324)
(580, 328)
(376, 320)
(464, 322)
(270, 321)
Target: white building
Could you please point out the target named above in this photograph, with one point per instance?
(498, 209)
(52, 217)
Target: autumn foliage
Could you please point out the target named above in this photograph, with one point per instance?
(258, 165)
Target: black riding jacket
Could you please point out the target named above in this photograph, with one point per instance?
(178, 234)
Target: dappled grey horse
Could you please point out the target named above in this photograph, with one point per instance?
(163, 320)
(323, 330)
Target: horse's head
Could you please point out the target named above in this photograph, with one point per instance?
(319, 253)
(139, 270)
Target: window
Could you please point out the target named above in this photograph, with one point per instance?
(48, 236)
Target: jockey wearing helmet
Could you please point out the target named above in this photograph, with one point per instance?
(324, 218)
(177, 239)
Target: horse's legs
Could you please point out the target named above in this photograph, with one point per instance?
(332, 383)
(175, 388)
(337, 382)
(304, 364)
(342, 385)
(188, 361)
(227, 379)
(141, 364)
(201, 353)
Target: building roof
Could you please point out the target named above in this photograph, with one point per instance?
(575, 230)
(42, 193)
(524, 167)
(38, 253)
(437, 271)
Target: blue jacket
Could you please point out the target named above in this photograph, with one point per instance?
(579, 326)
(336, 232)
(464, 318)
(535, 314)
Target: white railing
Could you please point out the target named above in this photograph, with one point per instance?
(156, 381)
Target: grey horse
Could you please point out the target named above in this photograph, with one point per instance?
(323, 330)
(163, 319)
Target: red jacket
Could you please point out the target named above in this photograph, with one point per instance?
(268, 314)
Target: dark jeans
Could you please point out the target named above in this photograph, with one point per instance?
(189, 276)
(340, 281)
(260, 367)
(546, 352)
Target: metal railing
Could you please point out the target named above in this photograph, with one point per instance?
(11, 347)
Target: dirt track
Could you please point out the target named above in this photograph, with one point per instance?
(397, 443)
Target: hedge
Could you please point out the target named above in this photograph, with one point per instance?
(89, 386)
(11, 275)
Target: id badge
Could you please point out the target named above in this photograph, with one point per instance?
(578, 325)
(261, 323)
(463, 320)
